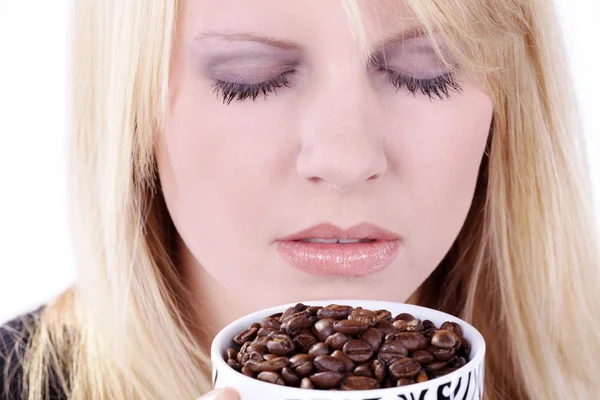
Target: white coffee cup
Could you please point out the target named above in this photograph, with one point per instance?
(466, 383)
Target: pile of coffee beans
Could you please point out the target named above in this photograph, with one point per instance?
(339, 347)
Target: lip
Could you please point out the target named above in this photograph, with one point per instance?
(350, 260)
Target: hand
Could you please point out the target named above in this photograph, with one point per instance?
(221, 394)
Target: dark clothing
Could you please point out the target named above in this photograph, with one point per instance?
(15, 337)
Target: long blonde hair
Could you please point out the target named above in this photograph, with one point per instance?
(524, 269)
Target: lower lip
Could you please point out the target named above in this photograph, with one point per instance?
(351, 260)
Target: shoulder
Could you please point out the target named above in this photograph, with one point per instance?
(15, 336)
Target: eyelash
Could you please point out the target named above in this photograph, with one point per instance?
(440, 86)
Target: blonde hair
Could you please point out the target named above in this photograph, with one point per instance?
(524, 269)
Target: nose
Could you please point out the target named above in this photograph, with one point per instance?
(341, 143)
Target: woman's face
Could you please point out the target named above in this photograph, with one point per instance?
(334, 141)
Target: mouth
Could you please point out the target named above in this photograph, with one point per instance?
(327, 250)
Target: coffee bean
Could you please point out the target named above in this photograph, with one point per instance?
(299, 359)
(337, 340)
(263, 340)
(231, 353)
(318, 349)
(304, 340)
(234, 364)
(400, 325)
(271, 377)
(365, 316)
(334, 311)
(254, 356)
(392, 350)
(271, 323)
(257, 348)
(428, 333)
(304, 368)
(348, 363)
(281, 345)
(452, 327)
(363, 370)
(350, 327)
(244, 336)
(312, 310)
(404, 316)
(443, 339)
(358, 350)
(412, 340)
(378, 369)
(306, 383)
(405, 381)
(327, 379)
(385, 327)
(436, 366)
(383, 315)
(359, 383)
(443, 354)
(269, 356)
(421, 377)
(374, 337)
(248, 372)
(415, 325)
(404, 368)
(323, 328)
(427, 324)
(422, 356)
(297, 324)
(276, 364)
(290, 377)
(329, 363)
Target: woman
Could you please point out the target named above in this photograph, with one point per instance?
(211, 139)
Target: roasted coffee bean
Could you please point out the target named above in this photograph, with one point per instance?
(404, 368)
(400, 325)
(428, 333)
(271, 323)
(257, 348)
(231, 353)
(290, 377)
(412, 340)
(276, 364)
(297, 324)
(443, 354)
(422, 356)
(404, 316)
(248, 372)
(312, 310)
(252, 365)
(263, 340)
(359, 383)
(383, 315)
(233, 363)
(255, 325)
(244, 336)
(271, 377)
(304, 340)
(436, 366)
(305, 369)
(374, 337)
(385, 327)
(348, 363)
(306, 383)
(337, 340)
(323, 328)
(318, 349)
(415, 325)
(443, 339)
(269, 356)
(299, 359)
(276, 315)
(327, 379)
(363, 370)
(421, 377)
(392, 350)
(264, 332)
(405, 381)
(427, 324)
(350, 327)
(281, 345)
(358, 350)
(329, 363)
(379, 370)
(289, 312)
(365, 316)
(334, 311)
(452, 327)
(254, 356)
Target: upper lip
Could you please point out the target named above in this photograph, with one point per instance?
(363, 230)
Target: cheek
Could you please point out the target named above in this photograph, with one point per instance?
(437, 155)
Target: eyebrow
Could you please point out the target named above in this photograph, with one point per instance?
(399, 37)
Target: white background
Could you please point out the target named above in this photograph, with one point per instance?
(35, 258)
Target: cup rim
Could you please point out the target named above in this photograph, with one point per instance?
(477, 341)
